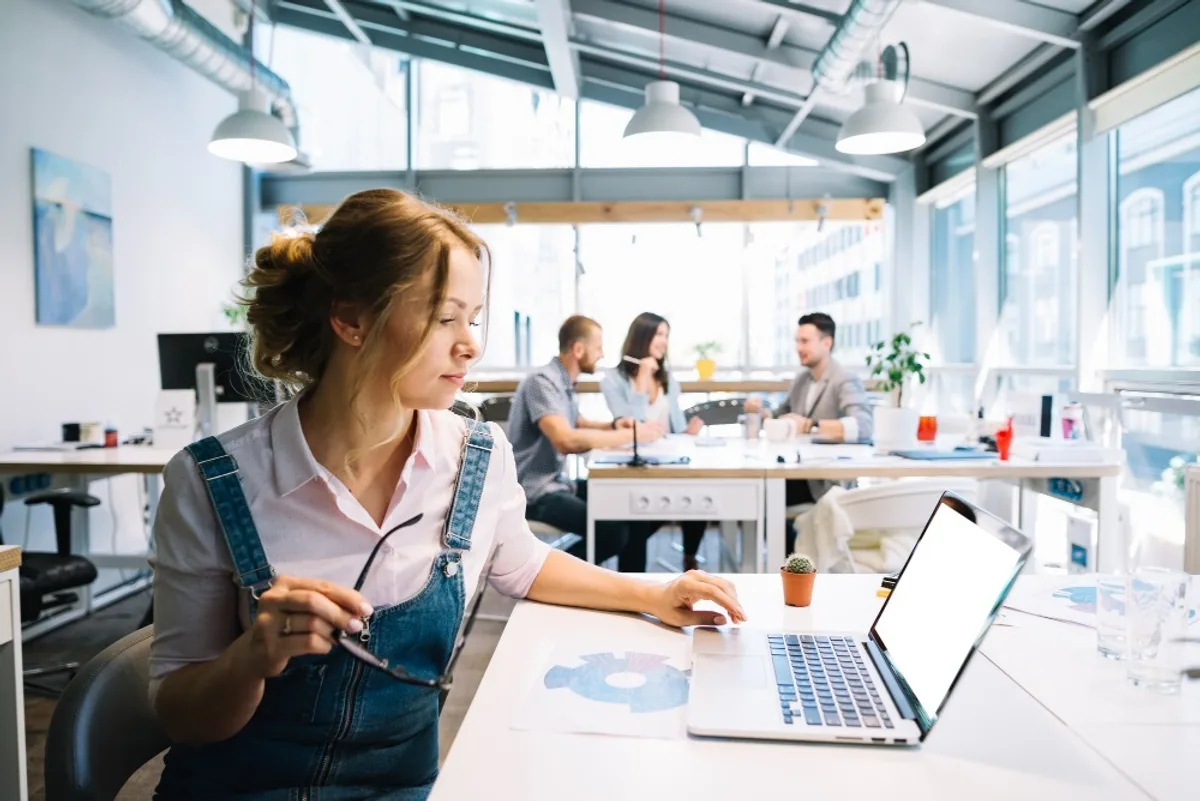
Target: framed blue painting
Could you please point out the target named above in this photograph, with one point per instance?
(73, 245)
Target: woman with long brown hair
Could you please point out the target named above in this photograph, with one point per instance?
(312, 565)
(642, 388)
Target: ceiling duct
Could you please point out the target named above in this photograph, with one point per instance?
(861, 24)
(183, 34)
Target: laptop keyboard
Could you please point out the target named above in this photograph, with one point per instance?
(823, 681)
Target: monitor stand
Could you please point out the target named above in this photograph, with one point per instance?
(206, 398)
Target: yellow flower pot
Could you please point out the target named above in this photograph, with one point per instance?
(705, 368)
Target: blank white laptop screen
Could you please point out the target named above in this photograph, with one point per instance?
(953, 580)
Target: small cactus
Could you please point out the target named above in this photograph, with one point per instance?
(799, 563)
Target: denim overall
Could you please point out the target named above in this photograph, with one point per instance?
(330, 727)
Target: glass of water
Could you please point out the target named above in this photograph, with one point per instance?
(1156, 617)
(1110, 615)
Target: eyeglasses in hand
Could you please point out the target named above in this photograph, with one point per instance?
(353, 644)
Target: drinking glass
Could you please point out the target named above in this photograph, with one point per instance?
(1110, 615)
(1156, 616)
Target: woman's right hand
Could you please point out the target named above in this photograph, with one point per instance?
(299, 616)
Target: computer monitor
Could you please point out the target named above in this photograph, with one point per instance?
(217, 366)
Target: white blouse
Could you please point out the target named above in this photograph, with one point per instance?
(312, 526)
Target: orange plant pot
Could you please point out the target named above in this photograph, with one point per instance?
(797, 587)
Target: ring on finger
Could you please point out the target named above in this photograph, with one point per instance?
(287, 624)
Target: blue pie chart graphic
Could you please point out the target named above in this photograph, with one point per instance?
(662, 686)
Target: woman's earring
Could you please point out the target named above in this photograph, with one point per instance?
(357, 338)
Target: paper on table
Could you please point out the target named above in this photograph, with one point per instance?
(603, 690)
(1068, 599)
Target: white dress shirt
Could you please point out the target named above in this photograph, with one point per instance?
(312, 526)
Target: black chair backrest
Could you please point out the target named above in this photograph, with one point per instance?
(496, 408)
(104, 727)
(717, 412)
(461, 407)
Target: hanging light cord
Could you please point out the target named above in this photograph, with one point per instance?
(250, 36)
(662, 37)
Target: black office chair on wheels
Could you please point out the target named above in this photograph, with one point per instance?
(53, 580)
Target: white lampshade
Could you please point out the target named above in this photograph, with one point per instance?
(662, 116)
(882, 125)
(252, 134)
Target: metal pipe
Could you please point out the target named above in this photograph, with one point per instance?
(862, 22)
(183, 34)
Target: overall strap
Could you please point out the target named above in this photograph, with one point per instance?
(220, 473)
(468, 489)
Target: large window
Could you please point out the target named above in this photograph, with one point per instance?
(692, 280)
(1157, 295)
(350, 99)
(532, 290)
(836, 270)
(952, 279)
(1038, 286)
(469, 121)
(602, 144)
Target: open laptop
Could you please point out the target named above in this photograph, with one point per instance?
(886, 686)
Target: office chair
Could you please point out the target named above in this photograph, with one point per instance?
(104, 728)
(717, 412)
(495, 409)
(51, 580)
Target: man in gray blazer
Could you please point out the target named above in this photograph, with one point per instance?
(826, 399)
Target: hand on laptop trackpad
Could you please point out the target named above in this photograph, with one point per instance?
(746, 672)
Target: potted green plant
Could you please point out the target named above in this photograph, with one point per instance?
(894, 364)
(705, 365)
(798, 573)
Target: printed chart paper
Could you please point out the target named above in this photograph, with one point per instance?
(606, 691)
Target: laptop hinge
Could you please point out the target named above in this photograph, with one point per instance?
(903, 705)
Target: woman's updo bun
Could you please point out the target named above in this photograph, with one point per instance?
(376, 245)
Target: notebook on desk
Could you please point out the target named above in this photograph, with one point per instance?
(924, 455)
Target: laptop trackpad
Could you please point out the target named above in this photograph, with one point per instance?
(746, 672)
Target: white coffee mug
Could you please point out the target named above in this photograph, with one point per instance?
(779, 430)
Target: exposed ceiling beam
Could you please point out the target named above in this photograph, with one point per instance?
(795, 62)
(555, 20)
(402, 7)
(773, 41)
(1100, 12)
(1031, 65)
(804, 9)
(703, 76)
(526, 62)
(514, 60)
(351, 24)
(1050, 25)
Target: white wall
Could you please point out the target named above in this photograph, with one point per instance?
(85, 88)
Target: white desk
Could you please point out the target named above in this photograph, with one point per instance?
(1155, 739)
(75, 469)
(726, 474)
(13, 781)
(717, 484)
(1021, 751)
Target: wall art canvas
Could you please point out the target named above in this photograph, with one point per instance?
(72, 228)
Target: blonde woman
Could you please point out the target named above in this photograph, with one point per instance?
(361, 509)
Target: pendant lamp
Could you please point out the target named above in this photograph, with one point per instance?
(662, 117)
(252, 134)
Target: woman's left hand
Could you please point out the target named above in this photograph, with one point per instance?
(672, 603)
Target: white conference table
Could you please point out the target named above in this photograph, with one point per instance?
(726, 478)
(13, 779)
(995, 739)
(1155, 739)
(76, 469)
